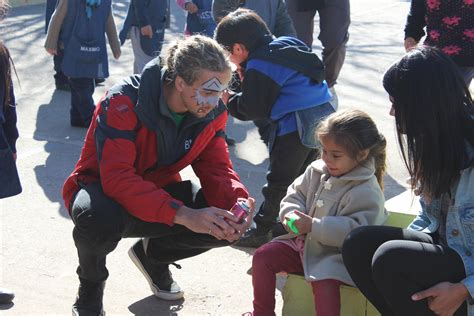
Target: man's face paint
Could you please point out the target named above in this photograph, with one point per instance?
(209, 92)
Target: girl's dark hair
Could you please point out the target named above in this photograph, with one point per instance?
(433, 109)
(355, 131)
(242, 26)
(5, 74)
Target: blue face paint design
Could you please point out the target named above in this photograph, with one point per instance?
(212, 85)
(202, 100)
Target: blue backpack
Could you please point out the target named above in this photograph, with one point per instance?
(83, 35)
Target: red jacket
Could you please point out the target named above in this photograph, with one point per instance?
(121, 153)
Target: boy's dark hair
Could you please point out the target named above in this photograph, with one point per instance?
(432, 113)
(242, 26)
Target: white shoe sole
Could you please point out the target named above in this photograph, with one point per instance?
(164, 295)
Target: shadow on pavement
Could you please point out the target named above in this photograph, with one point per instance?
(392, 187)
(62, 145)
(152, 306)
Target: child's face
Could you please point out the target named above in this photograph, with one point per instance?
(337, 158)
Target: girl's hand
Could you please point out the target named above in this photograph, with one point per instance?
(444, 298)
(304, 223)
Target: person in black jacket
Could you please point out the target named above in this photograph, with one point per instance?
(10, 183)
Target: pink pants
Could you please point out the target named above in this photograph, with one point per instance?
(276, 257)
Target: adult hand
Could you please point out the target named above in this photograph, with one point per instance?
(444, 298)
(52, 51)
(209, 220)
(304, 223)
(410, 43)
(241, 228)
(191, 7)
(117, 54)
(147, 31)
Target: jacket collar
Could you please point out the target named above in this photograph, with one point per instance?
(360, 173)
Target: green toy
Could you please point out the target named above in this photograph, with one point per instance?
(290, 222)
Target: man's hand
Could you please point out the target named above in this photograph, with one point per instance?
(209, 220)
(191, 7)
(240, 229)
(444, 298)
(147, 31)
(409, 44)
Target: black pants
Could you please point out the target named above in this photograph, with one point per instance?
(390, 264)
(100, 223)
(334, 20)
(82, 103)
(59, 76)
(288, 159)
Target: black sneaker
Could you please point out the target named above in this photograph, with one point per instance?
(6, 296)
(254, 238)
(158, 275)
(89, 299)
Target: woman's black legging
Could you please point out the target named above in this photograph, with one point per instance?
(390, 264)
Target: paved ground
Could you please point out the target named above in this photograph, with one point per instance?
(37, 254)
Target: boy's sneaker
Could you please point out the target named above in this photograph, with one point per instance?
(89, 299)
(254, 238)
(158, 275)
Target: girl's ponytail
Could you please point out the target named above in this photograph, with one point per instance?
(379, 153)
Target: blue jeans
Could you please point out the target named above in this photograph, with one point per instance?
(82, 103)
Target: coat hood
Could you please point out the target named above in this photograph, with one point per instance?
(292, 53)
